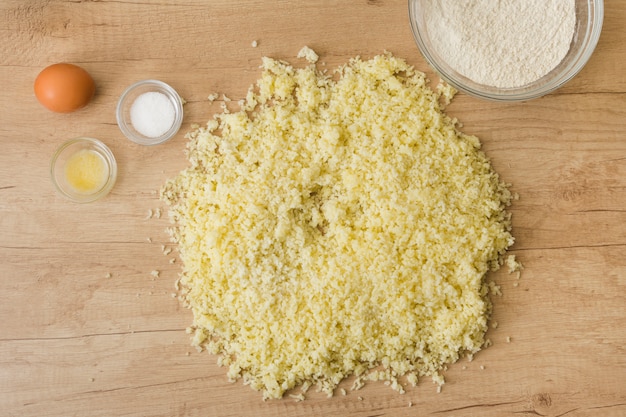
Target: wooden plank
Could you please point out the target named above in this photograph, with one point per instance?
(75, 341)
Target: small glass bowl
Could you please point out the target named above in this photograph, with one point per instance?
(126, 101)
(63, 156)
(589, 17)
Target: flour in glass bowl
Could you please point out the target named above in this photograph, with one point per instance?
(501, 43)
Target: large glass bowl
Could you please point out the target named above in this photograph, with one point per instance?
(589, 17)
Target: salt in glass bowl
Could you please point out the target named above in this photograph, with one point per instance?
(126, 101)
(63, 157)
(589, 18)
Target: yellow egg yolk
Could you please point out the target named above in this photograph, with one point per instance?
(86, 171)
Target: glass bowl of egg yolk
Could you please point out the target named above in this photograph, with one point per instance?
(83, 169)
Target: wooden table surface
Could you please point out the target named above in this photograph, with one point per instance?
(75, 341)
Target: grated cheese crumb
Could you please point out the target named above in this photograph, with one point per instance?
(155, 273)
(308, 54)
(255, 44)
(357, 384)
(297, 397)
(212, 97)
(342, 225)
(513, 264)
(495, 288)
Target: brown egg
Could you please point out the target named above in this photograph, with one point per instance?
(64, 88)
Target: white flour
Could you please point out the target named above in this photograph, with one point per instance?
(502, 43)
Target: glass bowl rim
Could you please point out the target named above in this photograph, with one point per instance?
(102, 149)
(161, 87)
(544, 85)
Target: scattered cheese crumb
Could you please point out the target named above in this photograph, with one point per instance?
(149, 239)
(508, 339)
(157, 213)
(343, 391)
(446, 92)
(357, 384)
(513, 264)
(297, 397)
(108, 275)
(482, 367)
(155, 273)
(342, 225)
(410, 404)
(494, 324)
(438, 389)
(212, 97)
(255, 44)
(412, 379)
(494, 288)
(308, 54)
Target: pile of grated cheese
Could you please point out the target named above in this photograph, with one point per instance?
(337, 225)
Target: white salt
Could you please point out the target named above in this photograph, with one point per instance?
(152, 114)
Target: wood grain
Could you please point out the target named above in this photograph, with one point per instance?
(86, 330)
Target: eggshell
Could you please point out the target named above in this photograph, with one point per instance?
(64, 88)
